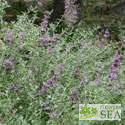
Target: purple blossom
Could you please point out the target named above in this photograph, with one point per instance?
(44, 40)
(50, 82)
(116, 62)
(14, 88)
(106, 33)
(69, 3)
(44, 23)
(71, 12)
(50, 50)
(112, 76)
(73, 97)
(97, 81)
(110, 86)
(54, 38)
(76, 72)
(84, 79)
(7, 64)
(46, 106)
(42, 89)
(55, 77)
(40, 3)
(21, 36)
(46, 86)
(82, 82)
(8, 37)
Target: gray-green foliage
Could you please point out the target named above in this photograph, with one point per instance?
(3, 5)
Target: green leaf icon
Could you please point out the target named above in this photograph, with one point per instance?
(94, 110)
(85, 110)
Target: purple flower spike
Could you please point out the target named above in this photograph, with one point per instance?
(46, 106)
(77, 72)
(14, 88)
(44, 40)
(71, 12)
(7, 64)
(50, 50)
(82, 82)
(110, 86)
(116, 62)
(21, 36)
(106, 33)
(8, 37)
(44, 23)
(47, 85)
(55, 77)
(73, 97)
(112, 76)
(43, 90)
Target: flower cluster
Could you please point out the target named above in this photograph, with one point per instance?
(84, 79)
(8, 37)
(40, 3)
(45, 21)
(106, 33)
(21, 37)
(44, 40)
(73, 97)
(109, 86)
(52, 81)
(48, 84)
(116, 61)
(7, 64)
(46, 106)
(50, 50)
(103, 31)
(77, 72)
(14, 88)
(71, 12)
